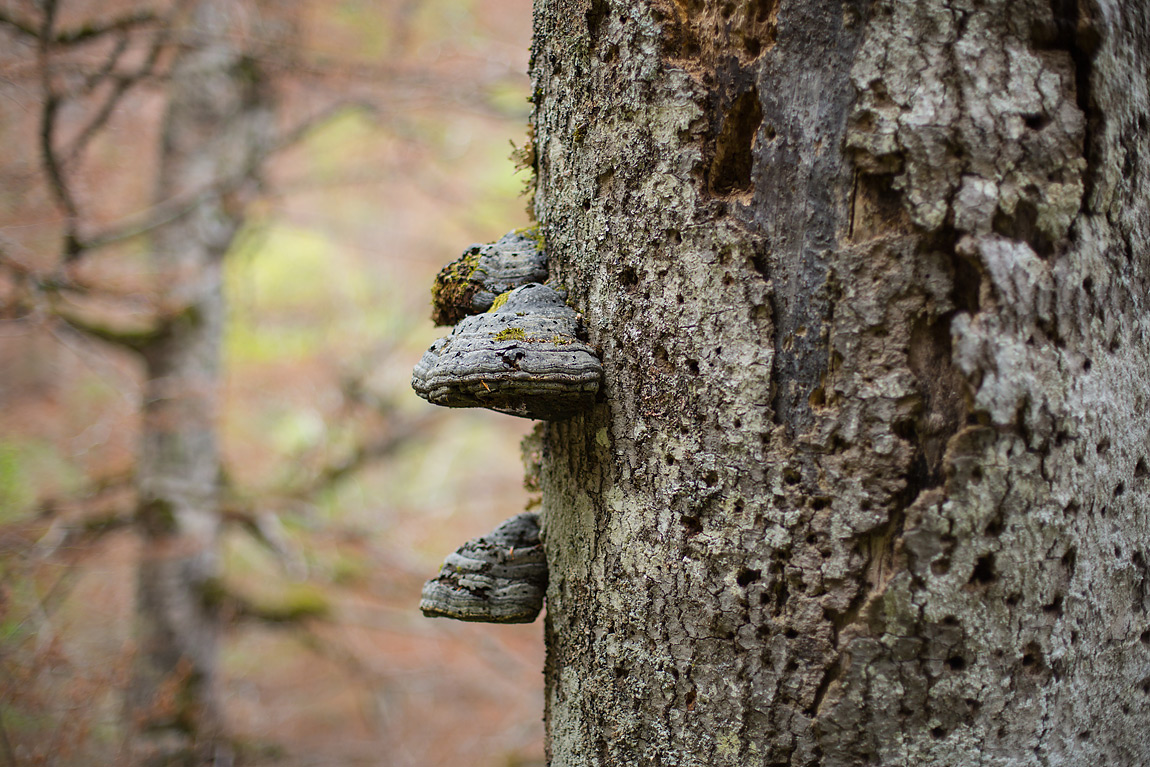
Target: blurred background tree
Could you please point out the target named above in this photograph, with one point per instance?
(218, 222)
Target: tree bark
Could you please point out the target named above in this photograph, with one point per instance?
(218, 127)
(868, 282)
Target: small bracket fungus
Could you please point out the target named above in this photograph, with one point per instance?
(469, 284)
(523, 358)
(500, 577)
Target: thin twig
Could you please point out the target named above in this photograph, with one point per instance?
(89, 32)
(93, 80)
(83, 34)
(53, 170)
(133, 340)
(165, 212)
(21, 26)
(123, 84)
(48, 157)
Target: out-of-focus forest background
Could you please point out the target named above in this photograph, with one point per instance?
(339, 491)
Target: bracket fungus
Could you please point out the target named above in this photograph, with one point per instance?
(500, 577)
(469, 284)
(522, 358)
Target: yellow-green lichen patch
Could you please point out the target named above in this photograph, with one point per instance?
(511, 334)
(499, 301)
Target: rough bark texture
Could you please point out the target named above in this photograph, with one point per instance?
(217, 129)
(868, 282)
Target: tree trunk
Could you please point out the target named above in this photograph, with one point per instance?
(217, 128)
(868, 281)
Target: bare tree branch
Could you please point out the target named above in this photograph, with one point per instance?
(96, 78)
(55, 174)
(169, 210)
(48, 157)
(83, 34)
(55, 162)
(122, 85)
(89, 32)
(135, 340)
(24, 27)
(266, 528)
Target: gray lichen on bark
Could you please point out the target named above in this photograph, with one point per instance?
(869, 284)
(976, 115)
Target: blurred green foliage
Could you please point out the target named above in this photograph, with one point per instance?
(15, 493)
(31, 469)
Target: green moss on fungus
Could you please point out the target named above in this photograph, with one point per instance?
(454, 288)
(510, 334)
(468, 285)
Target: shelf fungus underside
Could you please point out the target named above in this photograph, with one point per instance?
(523, 359)
(500, 577)
(470, 284)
